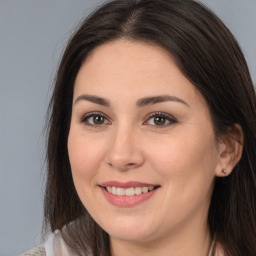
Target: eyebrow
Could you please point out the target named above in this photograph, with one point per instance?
(140, 103)
(158, 99)
(93, 99)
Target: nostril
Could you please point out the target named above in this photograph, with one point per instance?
(130, 164)
(124, 159)
(122, 166)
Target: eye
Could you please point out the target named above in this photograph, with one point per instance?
(160, 120)
(94, 119)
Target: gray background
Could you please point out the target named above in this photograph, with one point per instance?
(33, 34)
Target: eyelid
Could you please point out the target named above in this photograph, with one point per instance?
(84, 117)
(169, 117)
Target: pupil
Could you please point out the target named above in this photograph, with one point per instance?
(98, 119)
(159, 120)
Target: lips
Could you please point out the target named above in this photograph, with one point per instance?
(127, 194)
(129, 184)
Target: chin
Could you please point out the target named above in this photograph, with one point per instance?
(131, 236)
(133, 232)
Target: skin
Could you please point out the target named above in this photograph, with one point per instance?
(182, 155)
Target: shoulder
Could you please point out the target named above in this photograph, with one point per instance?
(38, 251)
(54, 246)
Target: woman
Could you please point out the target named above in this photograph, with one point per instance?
(152, 136)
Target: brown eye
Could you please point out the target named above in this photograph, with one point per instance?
(159, 120)
(96, 119)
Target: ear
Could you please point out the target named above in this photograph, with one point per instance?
(230, 147)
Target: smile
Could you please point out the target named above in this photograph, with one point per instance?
(129, 191)
(127, 194)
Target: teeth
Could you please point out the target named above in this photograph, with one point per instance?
(145, 190)
(129, 191)
(113, 190)
(138, 191)
(120, 191)
(151, 188)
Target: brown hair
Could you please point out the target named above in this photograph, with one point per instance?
(209, 56)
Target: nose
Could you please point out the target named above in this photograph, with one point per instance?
(124, 150)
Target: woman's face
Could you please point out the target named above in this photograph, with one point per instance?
(141, 144)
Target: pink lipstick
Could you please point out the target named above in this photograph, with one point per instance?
(127, 194)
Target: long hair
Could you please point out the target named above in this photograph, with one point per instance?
(209, 56)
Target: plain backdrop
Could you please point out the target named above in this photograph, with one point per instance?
(33, 34)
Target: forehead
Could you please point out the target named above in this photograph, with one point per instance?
(136, 68)
(121, 57)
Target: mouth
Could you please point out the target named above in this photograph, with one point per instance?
(130, 191)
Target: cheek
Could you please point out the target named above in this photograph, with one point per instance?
(187, 168)
(187, 163)
(84, 156)
(184, 151)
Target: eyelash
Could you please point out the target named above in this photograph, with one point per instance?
(167, 117)
(84, 119)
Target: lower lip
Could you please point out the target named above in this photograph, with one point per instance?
(127, 201)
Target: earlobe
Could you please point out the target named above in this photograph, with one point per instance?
(230, 150)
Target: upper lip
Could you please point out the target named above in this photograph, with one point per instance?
(128, 184)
